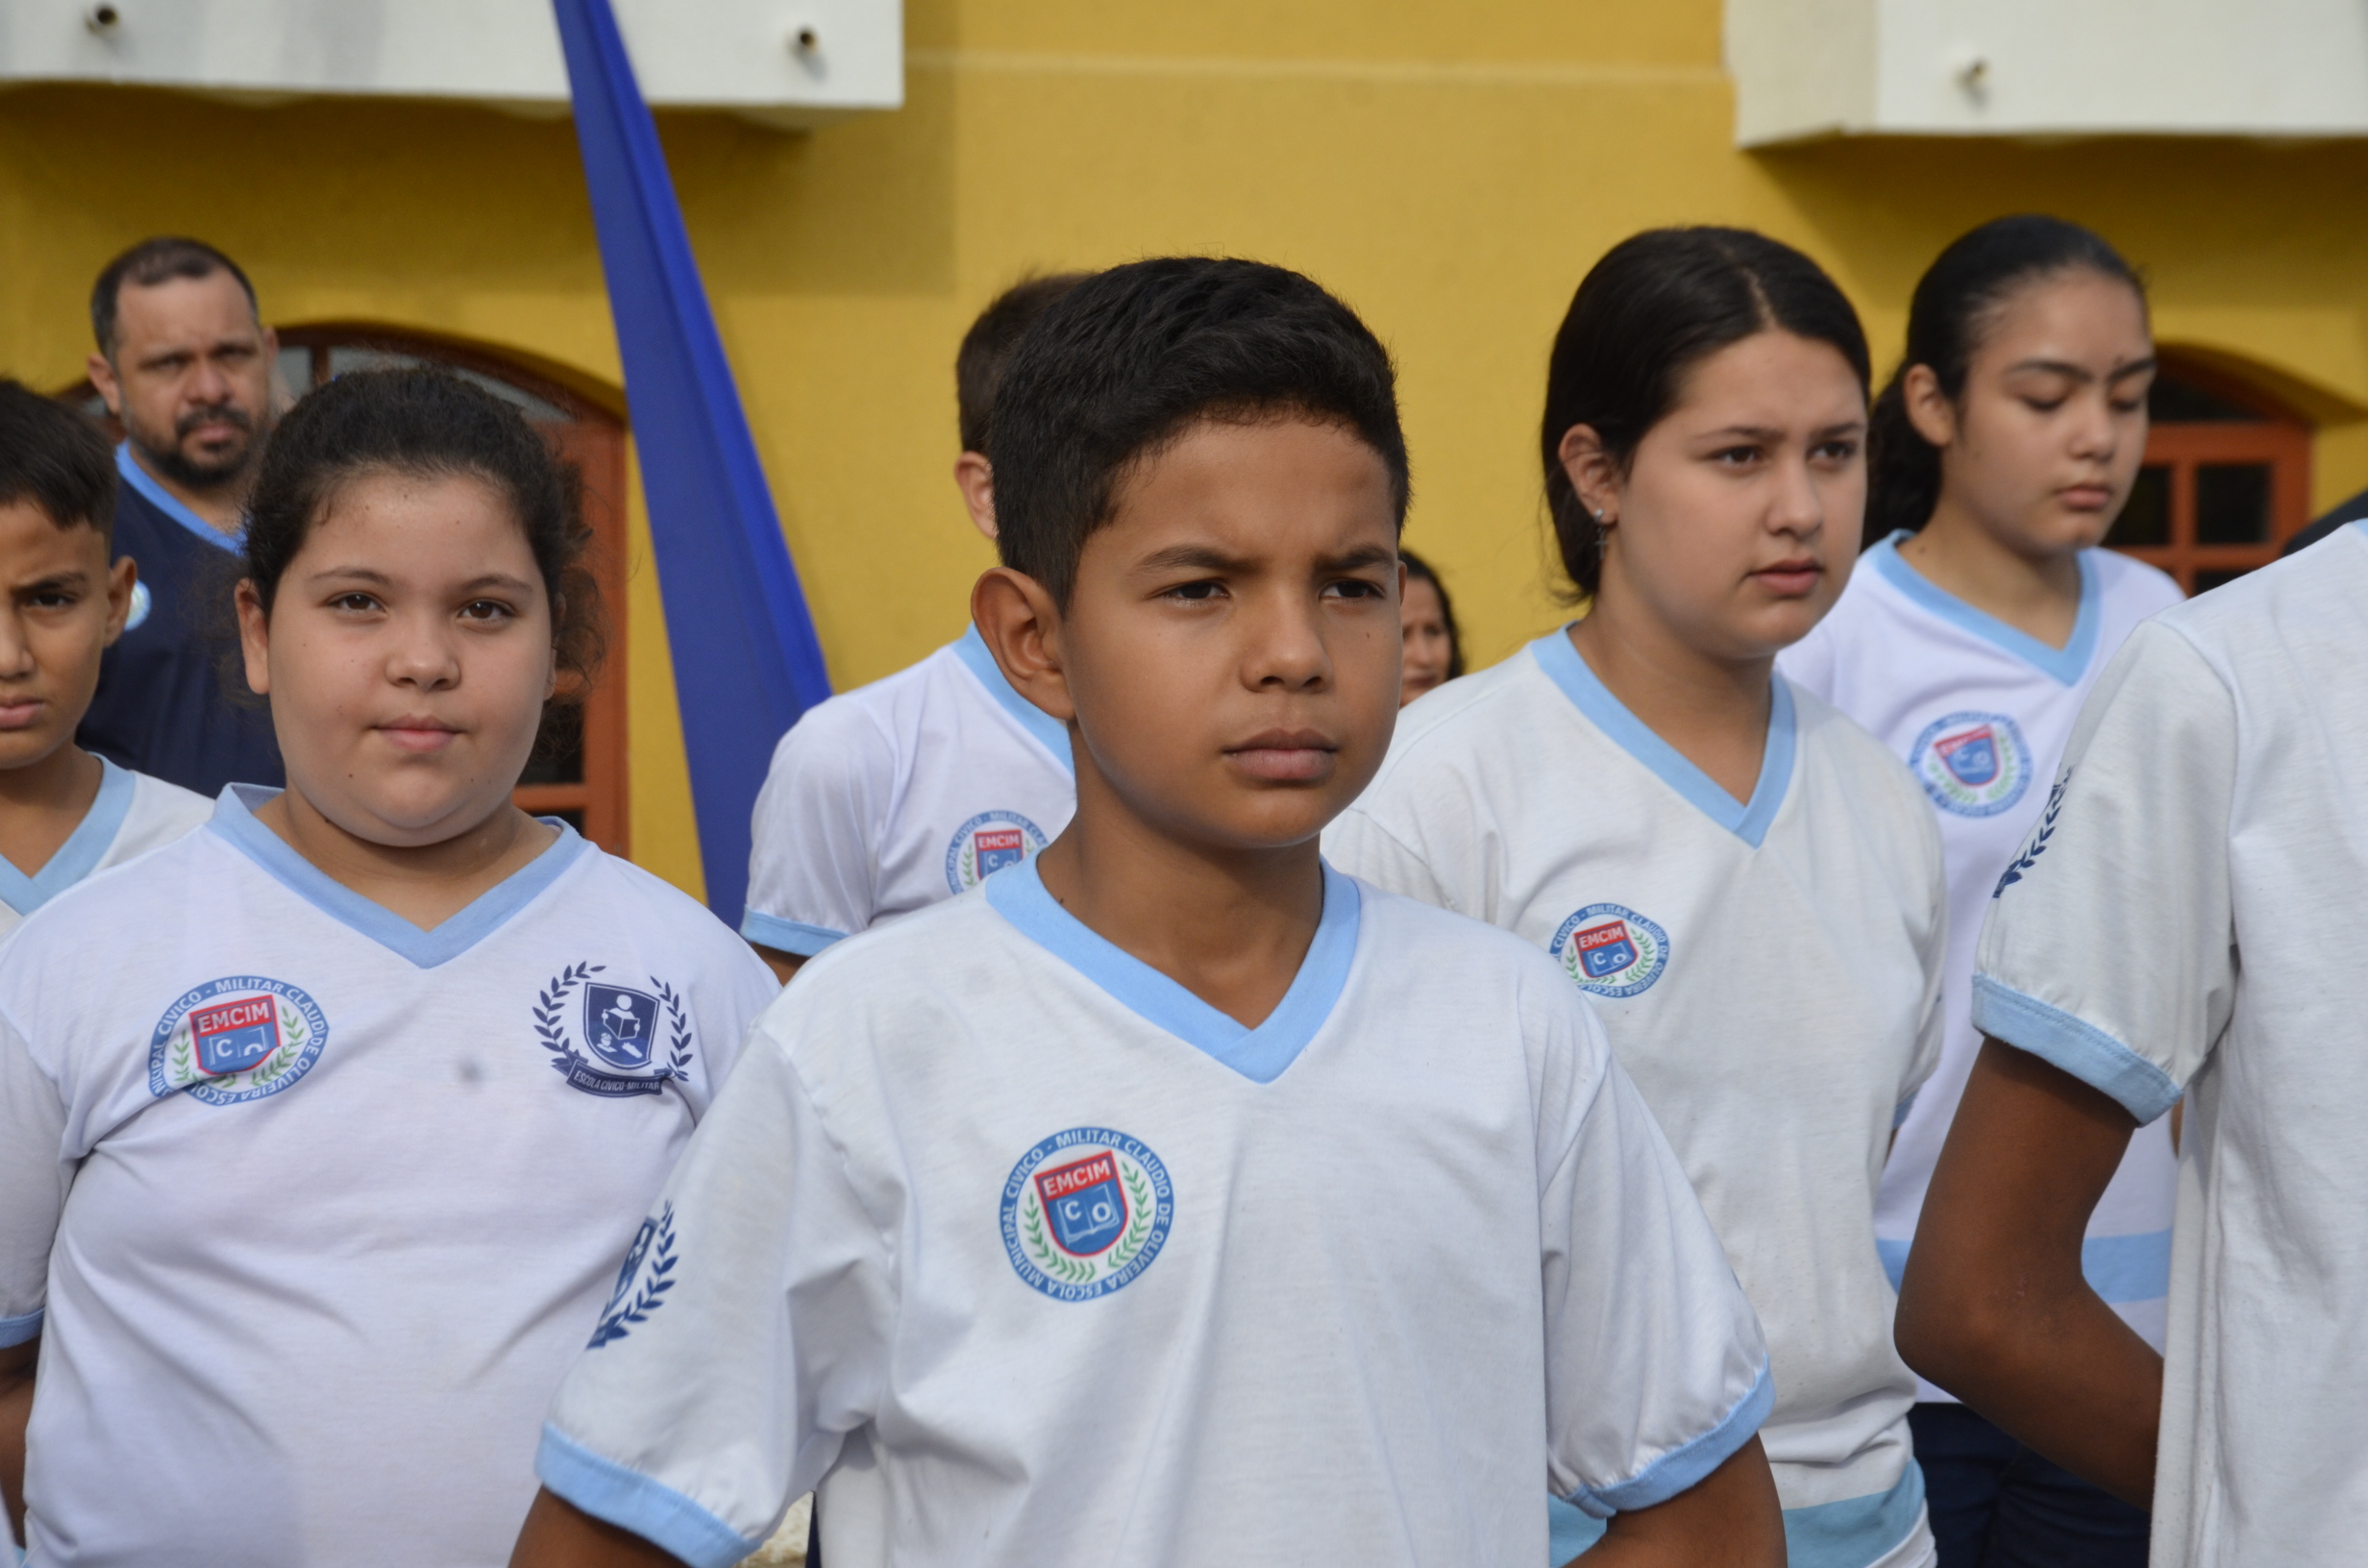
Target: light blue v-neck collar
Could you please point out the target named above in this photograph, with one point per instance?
(971, 650)
(2066, 664)
(1261, 1054)
(170, 505)
(1747, 820)
(233, 817)
(83, 850)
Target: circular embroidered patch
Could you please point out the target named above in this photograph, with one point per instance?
(238, 1038)
(143, 599)
(1973, 764)
(1611, 951)
(987, 843)
(1085, 1212)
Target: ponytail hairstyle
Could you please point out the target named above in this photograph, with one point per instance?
(1656, 305)
(1957, 302)
(427, 424)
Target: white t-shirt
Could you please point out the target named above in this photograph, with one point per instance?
(1769, 973)
(131, 814)
(1030, 1256)
(890, 797)
(1979, 712)
(312, 1208)
(2187, 916)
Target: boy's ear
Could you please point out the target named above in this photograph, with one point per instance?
(1021, 627)
(253, 638)
(121, 579)
(974, 475)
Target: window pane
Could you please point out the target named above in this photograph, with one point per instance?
(529, 405)
(558, 747)
(2232, 503)
(2207, 582)
(293, 372)
(2170, 402)
(346, 358)
(2147, 519)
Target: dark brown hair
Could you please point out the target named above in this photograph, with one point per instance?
(986, 349)
(1957, 302)
(55, 458)
(433, 424)
(148, 263)
(1656, 305)
(1130, 358)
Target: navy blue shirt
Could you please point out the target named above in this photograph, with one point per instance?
(161, 706)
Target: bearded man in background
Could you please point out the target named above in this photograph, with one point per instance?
(185, 363)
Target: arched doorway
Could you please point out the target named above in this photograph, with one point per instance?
(578, 771)
(2226, 480)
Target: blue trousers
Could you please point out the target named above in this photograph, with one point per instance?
(1994, 1504)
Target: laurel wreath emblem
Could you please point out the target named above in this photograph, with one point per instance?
(1647, 950)
(550, 1013)
(2030, 857)
(294, 1032)
(656, 1246)
(1082, 1270)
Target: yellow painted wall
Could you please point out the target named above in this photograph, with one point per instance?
(1450, 169)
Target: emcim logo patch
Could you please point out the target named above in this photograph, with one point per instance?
(1085, 1212)
(1973, 764)
(238, 1038)
(987, 843)
(1611, 950)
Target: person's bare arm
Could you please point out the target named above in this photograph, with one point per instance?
(784, 966)
(1993, 1307)
(558, 1534)
(1728, 1519)
(17, 1363)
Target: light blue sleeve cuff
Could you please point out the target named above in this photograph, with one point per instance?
(787, 936)
(16, 1331)
(632, 1501)
(1681, 1468)
(2074, 1045)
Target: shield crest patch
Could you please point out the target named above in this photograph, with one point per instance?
(997, 848)
(1606, 950)
(236, 1036)
(1971, 756)
(620, 1026)
(1085, 1204)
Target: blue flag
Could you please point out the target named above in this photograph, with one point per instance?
(746, 660)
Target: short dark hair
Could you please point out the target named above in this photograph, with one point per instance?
(1418, 569)
(1956, 304)
(986, 347)
(433, 424)
(1657, 304)
(1131, 358)
(150, 262)
(55, 458)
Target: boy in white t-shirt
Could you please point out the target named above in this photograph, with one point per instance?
(889, 798)
(2183, 918)
(63, 812)
(1171, 1198)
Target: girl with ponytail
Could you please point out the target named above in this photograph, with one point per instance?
(1998, 456)
(1741, 879)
